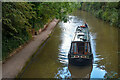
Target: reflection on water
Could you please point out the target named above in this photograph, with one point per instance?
(80, 71)
(52, 60)
(67, 35)
(63, 72)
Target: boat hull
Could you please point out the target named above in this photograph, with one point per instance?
(81, 61)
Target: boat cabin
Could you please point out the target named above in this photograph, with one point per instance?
(78, 47)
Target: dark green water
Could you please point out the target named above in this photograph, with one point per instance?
(52, 62)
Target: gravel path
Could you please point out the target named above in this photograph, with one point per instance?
(14, 65)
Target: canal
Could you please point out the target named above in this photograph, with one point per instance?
(51, 61)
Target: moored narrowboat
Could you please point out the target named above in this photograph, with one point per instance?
(80, 51)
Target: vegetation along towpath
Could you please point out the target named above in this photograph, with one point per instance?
(15, 64)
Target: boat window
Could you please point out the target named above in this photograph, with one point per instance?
(74, 48)
(86, 44)
(89, 48)
(71, 48)
(80, 47)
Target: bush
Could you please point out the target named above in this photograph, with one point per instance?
(8, 45)
(107, 11)
(99, 13)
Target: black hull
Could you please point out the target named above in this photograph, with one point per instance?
(80, 61)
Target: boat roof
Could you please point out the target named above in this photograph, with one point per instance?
(81, 34)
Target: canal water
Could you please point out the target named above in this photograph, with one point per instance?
(52, 61)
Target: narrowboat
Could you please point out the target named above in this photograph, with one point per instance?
(80, 52)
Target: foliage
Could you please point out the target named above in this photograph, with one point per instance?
(15, 25)
(48, 11)
(19, 18)
(107, 11)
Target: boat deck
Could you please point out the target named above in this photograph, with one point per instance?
(82, 34)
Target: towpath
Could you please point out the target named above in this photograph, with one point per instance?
(14, 65)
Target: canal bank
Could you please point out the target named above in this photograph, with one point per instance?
(14, 65)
